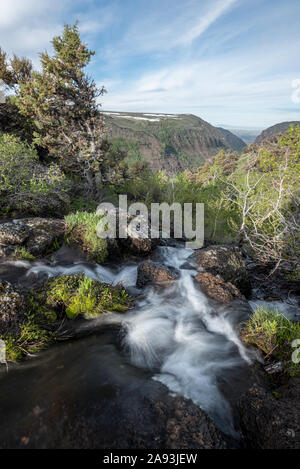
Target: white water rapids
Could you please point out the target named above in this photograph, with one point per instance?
(188, 341)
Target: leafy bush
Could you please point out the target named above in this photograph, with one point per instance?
(270, 219)
(81, 295)
(82, 229)
(273, 334)
(82, 204)
(26, 186)
(221, 217)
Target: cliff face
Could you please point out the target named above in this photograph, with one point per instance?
(233, 140)
(168, 141)
(275, 130)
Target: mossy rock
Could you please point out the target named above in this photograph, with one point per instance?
(78, 295)
(25, 323)
(31, 323)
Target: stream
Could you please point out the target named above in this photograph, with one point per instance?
(174, 342)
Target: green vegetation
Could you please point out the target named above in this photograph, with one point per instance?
(30, 340)
(61, 101)
(81, 204)
(25, 185)
(294, 276)
(167, 142)
(35, 332)
(129, 147)
(81, 228)
(71, 156)
(66, 296)
(23, 254)
(13, 72)
(81, 295)
(58, 109)
(273, 334)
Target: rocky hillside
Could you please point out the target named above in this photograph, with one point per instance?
(275, 130)
(247, 135)
(172, 142)
(233, 141)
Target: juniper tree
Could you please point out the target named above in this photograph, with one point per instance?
(62, 101)
(13, 72)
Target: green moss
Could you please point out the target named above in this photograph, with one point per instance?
(81, 295)
(69, 296)
(38, 308)
(294, 276)
(82, 228)
(23, 254)
(273, 334)
(30, 340)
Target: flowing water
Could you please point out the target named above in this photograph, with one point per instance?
(174, 334)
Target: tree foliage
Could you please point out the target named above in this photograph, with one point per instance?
(62, 101)
(26, 186)
(13, 72)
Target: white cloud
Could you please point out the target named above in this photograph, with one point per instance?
(204, 21)
(217, 91)
(296, 92)
(179, 25)
(27, 26)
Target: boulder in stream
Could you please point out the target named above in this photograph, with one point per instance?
(215, 287)
(153, 272)
(36, 235)
(226, 261)
(11, 308)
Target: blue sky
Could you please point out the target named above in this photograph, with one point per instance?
(228, 61)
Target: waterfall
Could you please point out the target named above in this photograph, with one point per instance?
(187, 341)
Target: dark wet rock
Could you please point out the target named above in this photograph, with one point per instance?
(36, 235)
(100, 404)
(137, 238)
(13, 233)
(138, 242)
(226, 261)
(269, 422)
(187, 426)
(187, 266)
(137, 245)
(216, 288)
(276, 287)
(44, 233)
(11, 308)
(153, 272)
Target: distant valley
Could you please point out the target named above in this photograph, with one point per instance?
(248, 135)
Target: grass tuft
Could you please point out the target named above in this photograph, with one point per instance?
(23, 254)
(82, 229)
(273, 334)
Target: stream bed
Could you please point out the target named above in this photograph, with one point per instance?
(103, 389)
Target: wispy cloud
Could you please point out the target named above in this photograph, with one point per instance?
(228, 61)
(27, 26)
(218, 91)
(204, 21)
